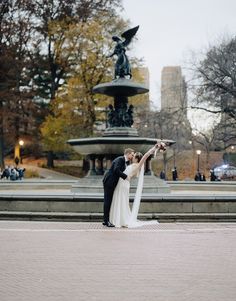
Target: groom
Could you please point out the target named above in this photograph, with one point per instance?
(111, 179)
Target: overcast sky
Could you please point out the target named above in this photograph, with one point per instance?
(170, 29)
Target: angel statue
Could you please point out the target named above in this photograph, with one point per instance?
(122, 66)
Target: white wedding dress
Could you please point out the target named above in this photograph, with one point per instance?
(120, 213)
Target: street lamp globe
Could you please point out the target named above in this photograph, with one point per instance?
(198, 152)
(21, 142)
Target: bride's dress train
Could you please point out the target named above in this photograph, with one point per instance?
(120, 213)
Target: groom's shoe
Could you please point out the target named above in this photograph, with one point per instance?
(108, 224)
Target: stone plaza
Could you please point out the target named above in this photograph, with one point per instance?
(85, 261)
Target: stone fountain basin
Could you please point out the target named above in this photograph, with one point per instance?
(113, 145)
(121, 87)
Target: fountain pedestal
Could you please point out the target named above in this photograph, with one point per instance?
(120, 132)
(120, 115)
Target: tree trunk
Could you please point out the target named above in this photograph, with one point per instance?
(2, 165)
(165, 163)
(50, 159)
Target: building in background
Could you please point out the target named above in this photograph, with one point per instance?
(174, 103)
(173, 90)
(144, 72)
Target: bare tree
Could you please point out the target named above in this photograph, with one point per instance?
(216, 86)
(207, 141)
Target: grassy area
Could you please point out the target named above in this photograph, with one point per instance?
(31, 173)
(70, 170)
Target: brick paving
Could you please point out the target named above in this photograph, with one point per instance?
(85, 261)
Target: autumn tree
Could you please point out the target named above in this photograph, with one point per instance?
(53, 20)
(75, 106)
(16, 93)
(4, 8)
(207, 141)
(42, 47)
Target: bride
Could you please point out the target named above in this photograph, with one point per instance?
(120, 213)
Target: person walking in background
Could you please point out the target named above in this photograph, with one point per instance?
(174, 174)
(197, 176)
(212, 176)
(202, 177)
(162, 175)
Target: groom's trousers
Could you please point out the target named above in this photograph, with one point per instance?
(108, 194)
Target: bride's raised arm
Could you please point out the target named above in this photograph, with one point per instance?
(137, 166)
(147, 154)
(156, 147)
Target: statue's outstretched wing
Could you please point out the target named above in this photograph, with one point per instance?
(129, 34)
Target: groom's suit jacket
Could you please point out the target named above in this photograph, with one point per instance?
(111, 178)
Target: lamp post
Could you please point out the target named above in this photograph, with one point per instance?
(17, 154)
(192, 157)
(21, 143)
(198, 159)
(174, 157)
(175, 147)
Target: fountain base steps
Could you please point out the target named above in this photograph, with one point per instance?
(93, 184)
(89, 207)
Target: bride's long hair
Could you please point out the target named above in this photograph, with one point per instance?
(138, 156)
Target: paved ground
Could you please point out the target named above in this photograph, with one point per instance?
(85, 261)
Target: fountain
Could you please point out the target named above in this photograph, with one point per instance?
(119, 134)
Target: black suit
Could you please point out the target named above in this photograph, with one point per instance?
(110, 181)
